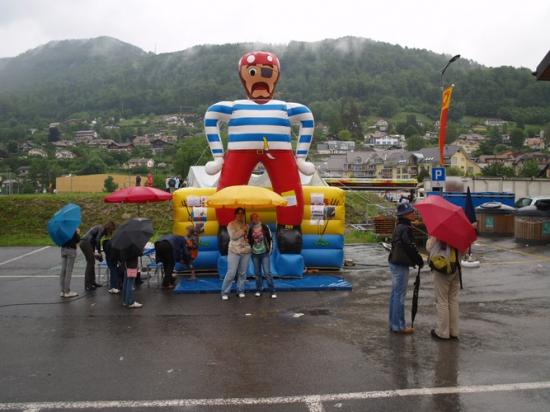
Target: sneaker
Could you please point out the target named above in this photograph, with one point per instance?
(241, 295)
(70, 294)
(97, 285)
(135, 305)
(225, 297)
(258, 294)
(91, 287)
(114, 291)
(273, 296)
(62, 294)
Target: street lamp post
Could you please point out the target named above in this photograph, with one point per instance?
(453, 59)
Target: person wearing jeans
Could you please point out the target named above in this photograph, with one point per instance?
(238, 254)
(68, 256)
(130, 275)
(259, 238)
(403, 255)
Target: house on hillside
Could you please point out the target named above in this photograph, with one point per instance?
(336, 147)
(37, 152)
(495, 122)
(333, 166)
(64, 154)
(505, 159)
(120, 147)
(85, 136)
(540, 158)
(382, 125)
(159, 145)
(141, 141)
(454, 156)
(536, 143)
(101, 143)
(63, 143)
(140, 162)
(361, 164)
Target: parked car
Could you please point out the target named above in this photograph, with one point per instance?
(542, 202)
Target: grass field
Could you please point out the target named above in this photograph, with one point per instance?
(23, 218)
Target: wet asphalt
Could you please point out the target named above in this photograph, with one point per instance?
(304, 343)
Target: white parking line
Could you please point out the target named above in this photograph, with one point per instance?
(22, 256)
(313, 402)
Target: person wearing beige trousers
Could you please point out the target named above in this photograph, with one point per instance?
(446, 290)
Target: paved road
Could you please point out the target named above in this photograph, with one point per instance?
(309, 351)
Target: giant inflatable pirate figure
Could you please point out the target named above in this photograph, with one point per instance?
(259, 130)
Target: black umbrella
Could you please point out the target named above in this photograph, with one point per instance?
(131, 237)
(414, 307)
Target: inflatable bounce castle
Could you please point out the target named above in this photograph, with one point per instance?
(308, 232)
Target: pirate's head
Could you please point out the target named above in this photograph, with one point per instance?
(259, 73)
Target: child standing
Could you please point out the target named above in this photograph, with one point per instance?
(192, 244)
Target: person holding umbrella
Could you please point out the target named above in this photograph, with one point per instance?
(129, 241)
(403, 255)
(445, 264)
(238, 254)
(68, 256)
(92, 241)
(64, 231)
(451, 234)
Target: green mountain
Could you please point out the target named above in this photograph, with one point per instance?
(105, 75)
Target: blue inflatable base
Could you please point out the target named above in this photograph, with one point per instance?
(306, 284)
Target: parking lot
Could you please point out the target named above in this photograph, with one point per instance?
(306, 351)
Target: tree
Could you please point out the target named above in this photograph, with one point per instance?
(517, 137)
(345, 135)
(388, 106)
(500, 148)
(529, 169)
(94, 165)
(453, 171)
(410, 131)
(546, 131)
(415, 143)
(189, 153)
(497, 170)
(53, 134)
(109, 185)
(422, 174)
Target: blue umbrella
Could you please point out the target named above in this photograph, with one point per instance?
(63, 224)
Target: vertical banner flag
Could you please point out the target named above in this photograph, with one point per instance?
(445, 103)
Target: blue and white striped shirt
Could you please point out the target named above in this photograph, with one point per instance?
(250, 125)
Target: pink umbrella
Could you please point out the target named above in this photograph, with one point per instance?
(138, 194)
(446, 222)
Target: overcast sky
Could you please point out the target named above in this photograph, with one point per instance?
(494, 33)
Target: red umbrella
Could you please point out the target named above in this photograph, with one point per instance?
(447, 222)
(138, 194)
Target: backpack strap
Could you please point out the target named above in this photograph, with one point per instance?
(459, 272)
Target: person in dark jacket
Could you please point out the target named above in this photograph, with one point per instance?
(68, 256)
(402, 256)
(116, 271)
(170, 249)
(259, 237)
(92, 241)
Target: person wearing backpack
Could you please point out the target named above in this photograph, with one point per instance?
(403, 255)
(444, 260)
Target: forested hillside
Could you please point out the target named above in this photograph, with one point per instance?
(106, 76)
